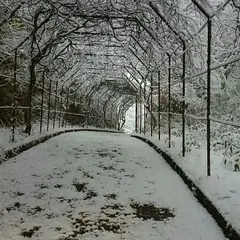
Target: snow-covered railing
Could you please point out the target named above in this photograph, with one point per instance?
(202, 118)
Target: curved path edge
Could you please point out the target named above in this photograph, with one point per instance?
(226, 227)
(7, 154)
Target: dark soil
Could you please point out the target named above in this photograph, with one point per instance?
(19, 193)
(110, 167)
(42, 186)
(104, 222)
(39, 195)
(82, 226)
(111, 196)
(113, 206)
(68, 200)
(86, 174)
(80, 187)
(90, 194)
(50, 215)
(15, 206)
(29, 233)
(149, 211)
(117, 210)
(103, 154)
(116, 151)
(36, 210)
(129, 175)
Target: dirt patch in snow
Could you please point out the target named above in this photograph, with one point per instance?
(111, 218)
(116, 151)
(86, 223)
(80, 187)
(29, 233)
(110, 167)
(15, 206)
(129, 175)
(42, 186)
(35, 210)
(58, 186)
(149, 211)
(104, 153)
(111, 196)
(90, 194)
(87, 175)
(18, 194)
(39, 195)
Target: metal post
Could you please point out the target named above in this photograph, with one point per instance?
(103, 116)
(98, 106)
(60, 108)
(98, 110)
(151, 103)
(49, 103)
(144, 109)
(14, 96)
(140, 109)
(116, 119)
(66, 112)
(169, 100)
(209, 97)
(42, 93)
(74, 102)
(55, 105)
(29, 126)
(159, 102)
(209, 35)
(183, 96)
(80, 109)
(88, 111)
(111, 116)
(113, 121)
(136, 115)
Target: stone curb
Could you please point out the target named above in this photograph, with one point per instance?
(226, 227)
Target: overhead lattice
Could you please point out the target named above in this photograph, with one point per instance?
(89, 42)
(110, 49)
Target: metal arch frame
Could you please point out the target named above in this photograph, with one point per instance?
(113, 103)
(208, 15)
(183, 43)
(123, 106)
(136, 20)
(105, 106)
(148, 31)
(183, 118)
(98, 105)
(209, 40)
(89, 95)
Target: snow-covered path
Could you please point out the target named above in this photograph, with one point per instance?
(90, 185)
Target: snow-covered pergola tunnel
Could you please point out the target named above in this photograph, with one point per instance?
(85, 63)
(90, 185)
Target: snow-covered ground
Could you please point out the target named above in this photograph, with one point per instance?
(21, 137)
(223, 187)
(90, 185)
